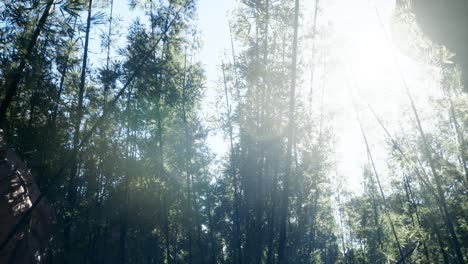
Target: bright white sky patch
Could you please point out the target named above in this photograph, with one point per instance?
(213, 22)
(361, 68)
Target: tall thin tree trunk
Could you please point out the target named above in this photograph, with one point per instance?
(233, 173)
(63, 75)
(71, 193)
(108, 48)
(376, 216)
(124, 213)
(161, 172)
(414, 208)
(272, 216)
(164, 190)
(292, 101)
(237, 219)
(314, 44)
(311, 246)
(384, 200)
(460, 137)
(263, 131)
(189, 202)
(210, 226)
(96, 229)
(342, 232)
(436, 176)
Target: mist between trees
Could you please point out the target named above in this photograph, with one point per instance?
(105, 143)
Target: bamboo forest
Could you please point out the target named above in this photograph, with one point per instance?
(233, 131)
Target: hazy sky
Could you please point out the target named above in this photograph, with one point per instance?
(359, 66)
(359, 53)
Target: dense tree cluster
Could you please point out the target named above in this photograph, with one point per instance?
(118, 147)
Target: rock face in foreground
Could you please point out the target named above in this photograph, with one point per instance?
(17, 192)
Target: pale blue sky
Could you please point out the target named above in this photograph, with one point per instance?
(213, 22)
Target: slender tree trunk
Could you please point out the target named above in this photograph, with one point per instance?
(313, 211)
(263, 130)
(96, 229)
(164, 190)
(166, 227)
(460, 137)
(272, 217)
(189, 202)
(440, 191)
(124, 227)
(384, 200)
(436, 230)
(108, 47)
(124, 213)
(63, 75)
(376, 217)
(342, 232)
(233, 173)
(162, 174)
(414, 209)
(285, 195)
(210, 226)
(71, 194)
(38, 74)
(314, 44)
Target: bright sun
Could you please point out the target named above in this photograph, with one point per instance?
(366, 73)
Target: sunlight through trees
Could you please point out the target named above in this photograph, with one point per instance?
(322, 132)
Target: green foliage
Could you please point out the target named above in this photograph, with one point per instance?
(147, 187)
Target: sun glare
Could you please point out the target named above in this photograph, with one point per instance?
(367, 76)
(233, 131)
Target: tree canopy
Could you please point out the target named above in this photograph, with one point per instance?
(110, 123)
